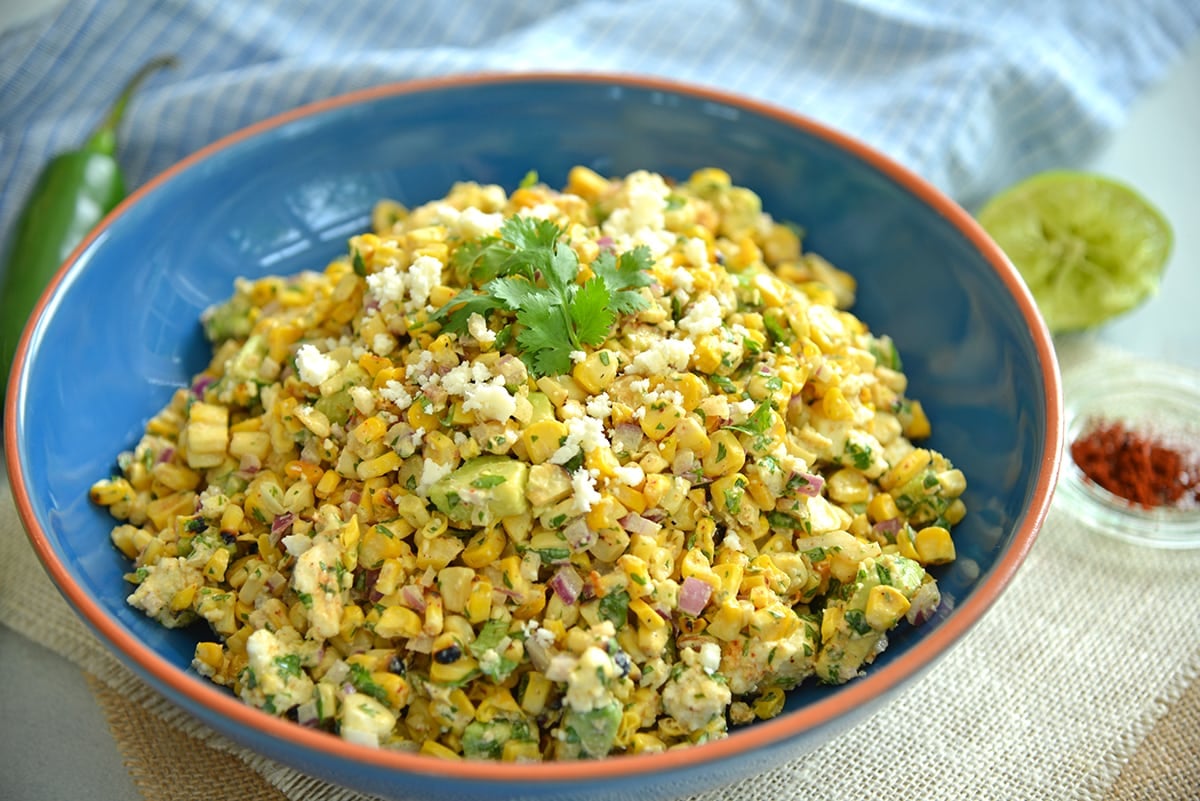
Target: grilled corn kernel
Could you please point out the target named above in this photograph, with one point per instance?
(934, 546)
(884, 607)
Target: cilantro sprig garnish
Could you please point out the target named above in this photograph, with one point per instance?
(528, 272)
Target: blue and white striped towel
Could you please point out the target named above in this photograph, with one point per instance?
(972, 94)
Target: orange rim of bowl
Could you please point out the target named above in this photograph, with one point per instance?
(874, 684)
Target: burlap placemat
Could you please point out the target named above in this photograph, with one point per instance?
(1083, 682)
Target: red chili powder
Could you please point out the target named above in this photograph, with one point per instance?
(1144, 468)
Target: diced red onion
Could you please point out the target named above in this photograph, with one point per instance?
(354, 496)
(201, 384)
(281, 524)
(249, 464)
(275, 581)
(338, 672)
(824, 373)
(925, 603)
(578, 535)
(306, 714)
(636, 524)
(606, 243)
(413, 598)
(657, 515)
(887, 526)
(812, 485)
(567, 584)
(167, 455)
(694, 595)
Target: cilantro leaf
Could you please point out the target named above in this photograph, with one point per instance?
(590, 314)
(528, 271)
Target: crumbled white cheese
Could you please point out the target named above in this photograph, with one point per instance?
(578, 356)
(424, 274)
(696, 251)
(682, 280)
(431, 473)
(395, 392)
(662, 357)
(386, 284)
(474, 224)
(586, 495)
(599, 406)
(314, 367)
(364, 401)
(631, 475)
(383, 344)
(584, 434)
(478, 328)
(492, 401)
(703, 316)
(587, 683)
(710, 657)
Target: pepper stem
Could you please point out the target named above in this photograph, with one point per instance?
(104, 138)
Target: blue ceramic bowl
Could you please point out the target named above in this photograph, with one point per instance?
(117, 332)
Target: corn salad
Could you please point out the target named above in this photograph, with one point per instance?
(424, 540)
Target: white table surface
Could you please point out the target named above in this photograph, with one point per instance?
(56, 743)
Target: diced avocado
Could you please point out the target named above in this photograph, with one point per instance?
(847, 638)
(483, 490)
(543, 409)
(339, 405)
(486, 740)
(592, 733)
(229, 320)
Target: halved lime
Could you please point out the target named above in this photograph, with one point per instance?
(1088, 247)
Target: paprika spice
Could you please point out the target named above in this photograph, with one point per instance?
(1148, 469)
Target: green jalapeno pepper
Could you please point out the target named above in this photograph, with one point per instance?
(70, 196)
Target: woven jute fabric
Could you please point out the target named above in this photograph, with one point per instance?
(1082, 682)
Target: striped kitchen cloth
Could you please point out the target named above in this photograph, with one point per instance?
(972, 94)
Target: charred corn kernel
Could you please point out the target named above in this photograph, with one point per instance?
(885, 605)
(370, 429)
(597, 371)
(955, 512)
(905, 544)
(602, 460)
(412, 509)
(381, 465)
(727, 622)
(479, 601)
(175, 477)
(161, 511)
(327, 484)
(646, 615)
(848, 486)
(690, 433)
(440, 448)
(418, 417)
(313, 419)
(934, 546)
(835, 406)
(952, 482)
(214, 568)
(433, 748)
(586, 183)
(393, 687)
(605, 513)
(537, 693)
(769, 704)
(631, 499)
(484, 548)
(543, 438)
(210, 653)
(453, 672)
(498, 705)
(729, 575)
(725, 456)
(709, 353)
(906, 469)
(183, 598)
(882, 507)
(298, 469)
(110, 491)
(397, 621)
(918, 424)
(655, 489)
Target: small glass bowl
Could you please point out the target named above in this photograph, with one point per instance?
(1146, 397)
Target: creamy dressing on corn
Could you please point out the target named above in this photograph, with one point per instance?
(423, 539)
